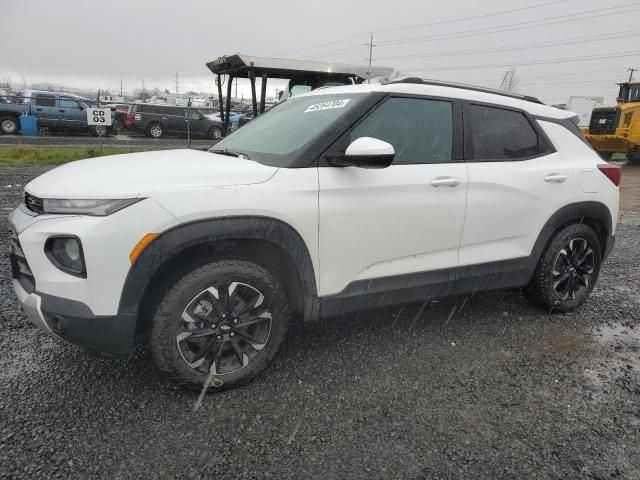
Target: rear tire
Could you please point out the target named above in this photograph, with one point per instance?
(155, 130)
(634, 156)
(567, 270)
(9, 125)
(220, 325)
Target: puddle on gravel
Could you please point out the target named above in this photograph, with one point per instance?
(617, 354)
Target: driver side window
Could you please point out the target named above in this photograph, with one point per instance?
(420, 130)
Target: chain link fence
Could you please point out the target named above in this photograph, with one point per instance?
(57, 119)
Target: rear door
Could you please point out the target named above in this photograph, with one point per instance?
(403, 219)
(45, 107)
(516, 182)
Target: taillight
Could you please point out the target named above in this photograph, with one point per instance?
(613, 172)
(128, 119)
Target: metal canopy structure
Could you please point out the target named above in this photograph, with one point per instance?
(299, 72)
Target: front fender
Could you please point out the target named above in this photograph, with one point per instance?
(202, 232)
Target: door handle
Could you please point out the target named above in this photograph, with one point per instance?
(61, 111)
(555, 178)
(445, 182)
(38, 109)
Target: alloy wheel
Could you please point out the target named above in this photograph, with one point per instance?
(223, 328)
(573, 269)
(156, 131)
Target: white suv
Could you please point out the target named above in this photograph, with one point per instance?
(338, 200)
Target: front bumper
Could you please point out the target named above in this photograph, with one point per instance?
(75, 322)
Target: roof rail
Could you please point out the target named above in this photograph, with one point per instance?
(442, 83)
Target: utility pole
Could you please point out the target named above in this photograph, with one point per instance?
(143, 91)
(631, 70)
(121, 88)
(176, 83)
(371, 45)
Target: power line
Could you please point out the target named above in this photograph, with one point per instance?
(473, 17)
(567, 41)
(441, 22)
(542, 62)
(515, 26)
(571, 82)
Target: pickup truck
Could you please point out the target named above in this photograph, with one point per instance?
(56, 113)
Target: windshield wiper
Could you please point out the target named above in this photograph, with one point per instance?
(230, 153)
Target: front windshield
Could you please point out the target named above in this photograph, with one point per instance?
(634, 94)
(278, 135)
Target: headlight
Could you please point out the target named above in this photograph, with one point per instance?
(66, 254)
(97, 207)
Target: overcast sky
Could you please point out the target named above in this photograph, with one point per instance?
(560, 48)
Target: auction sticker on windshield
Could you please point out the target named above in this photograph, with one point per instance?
(316, 107)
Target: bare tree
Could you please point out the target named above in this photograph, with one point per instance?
(510, 81)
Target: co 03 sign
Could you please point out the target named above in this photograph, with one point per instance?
(99, 116)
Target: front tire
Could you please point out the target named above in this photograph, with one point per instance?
(567, 270)
(221, 325)
(215, 133)
(99, 131)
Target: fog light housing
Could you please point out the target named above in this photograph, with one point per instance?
(66, 254)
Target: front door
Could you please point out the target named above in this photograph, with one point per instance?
(403, 219)
(73, 115)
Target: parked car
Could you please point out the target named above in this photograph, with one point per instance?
(234, 119)
(332, 202)
(56, 112)
(158, 120)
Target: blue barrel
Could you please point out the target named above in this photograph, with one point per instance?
(29, 124)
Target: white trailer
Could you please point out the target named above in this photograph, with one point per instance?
(583, 106)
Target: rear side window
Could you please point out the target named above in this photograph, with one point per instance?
(495, 134)
(46, 100)
(420, 130)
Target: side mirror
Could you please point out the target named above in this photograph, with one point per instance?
(365, 152)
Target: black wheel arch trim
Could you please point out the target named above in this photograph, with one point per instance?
(570, 213)
(207, 231)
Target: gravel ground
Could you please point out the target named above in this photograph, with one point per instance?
(484, 388)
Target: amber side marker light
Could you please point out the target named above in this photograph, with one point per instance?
(141, 245)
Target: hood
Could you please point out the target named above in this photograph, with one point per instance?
(137, 174)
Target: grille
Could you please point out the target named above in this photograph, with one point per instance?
(604, 121)
(19, 267)
(34, 204)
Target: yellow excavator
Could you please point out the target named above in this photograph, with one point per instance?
(617, 129)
